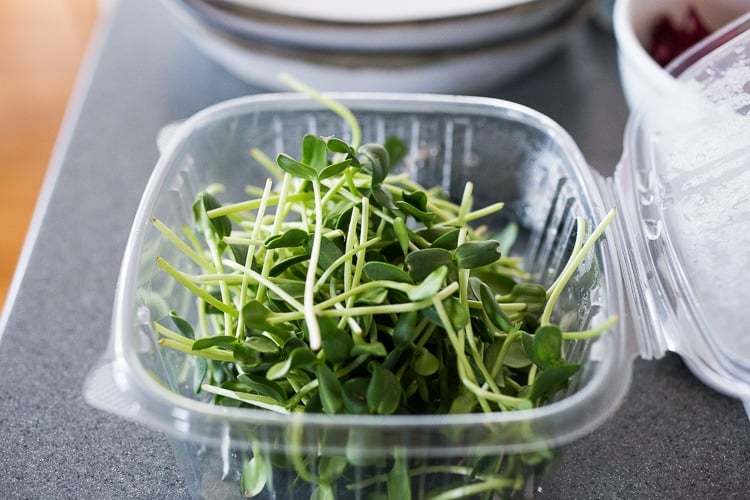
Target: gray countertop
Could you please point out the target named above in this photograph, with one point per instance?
(672, 437)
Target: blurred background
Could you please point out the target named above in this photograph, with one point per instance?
(42, 43)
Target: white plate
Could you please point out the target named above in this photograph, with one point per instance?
(381, 11)
(463, 32)
(440, 72)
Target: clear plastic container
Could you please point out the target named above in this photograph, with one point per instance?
(656, 267)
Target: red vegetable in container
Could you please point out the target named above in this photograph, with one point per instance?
(670, 39)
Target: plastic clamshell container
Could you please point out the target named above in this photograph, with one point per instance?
(669, 266)
(511, 153)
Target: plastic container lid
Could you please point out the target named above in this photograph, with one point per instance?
(684, 186)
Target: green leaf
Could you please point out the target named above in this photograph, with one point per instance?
(214, 341)
(330, 390)
(221, 226)
(372, 297)
(432, 233)
(294, 237)
(377, 271)
(516, 357)
(375, 161)
(422, 262)
(552, 380)
(329, 252)
(295, 168)
(507, 237)
(314, 152)
(299, 357)
(448, 240)
(239, 252)
(480, 327)
(402, 234)
(336, 344)
(419, 215)
(457, 313)
(372, 348)
(404, 332)
(358, 446)
(294, 289)
(336, 145)
(255, 315)
(334, 170)
(473, 254)
(246, 355)
(330, 467)
(464, 403)
(533, 295)
(199, 373)
(383, 197)
(182, 325)
(396, 149)
(418, 199)
(430, 286)
(424, 362)
(255, 474)
(547, 346)
(493, 310)
(355, 395)
(261, 344)
(384, 391)
(263, 386)
(323, 491)
(399, 482)
(285, 264)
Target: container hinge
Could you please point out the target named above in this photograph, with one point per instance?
(641, 317)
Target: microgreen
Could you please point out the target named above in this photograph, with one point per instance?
(346, 288)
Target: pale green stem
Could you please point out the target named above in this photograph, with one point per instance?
(334, 106)
(532, 375)
(253, 204)
(592, 332)
(477, 214)
(181, 245)
(185, 280)
(364, 230)
(581, 229)
(344, 259)
(470, 490)
(240, 331)
(301, 393)
(464, 368)
(366, 310)
(280, 215)
(192, 238)
(238, 240)
(209, 353)
(466, 202)
(267, 283)
(575, 261)
(265, 402)
(313, 327)
(497, 366)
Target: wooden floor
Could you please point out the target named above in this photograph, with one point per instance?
(41, 45)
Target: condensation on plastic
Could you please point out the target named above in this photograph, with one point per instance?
(684, 184)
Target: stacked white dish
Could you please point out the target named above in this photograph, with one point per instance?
(450, 47)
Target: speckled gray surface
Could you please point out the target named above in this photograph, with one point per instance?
(671, 438)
